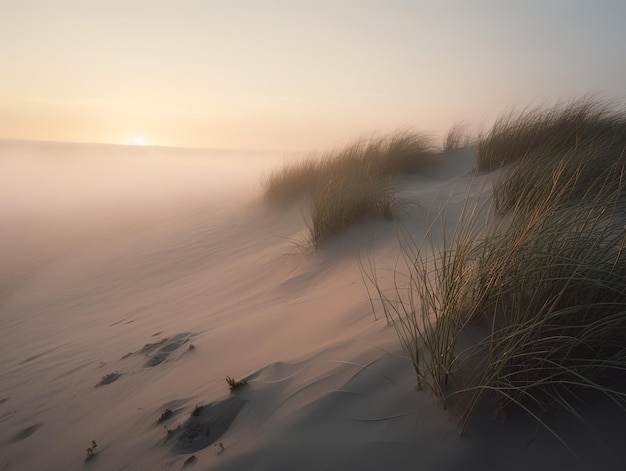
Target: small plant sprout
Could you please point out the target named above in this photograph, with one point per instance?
(196, 410)
(165, 415)
(234, 384)
(91, 450)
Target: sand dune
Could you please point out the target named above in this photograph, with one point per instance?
(117, 307)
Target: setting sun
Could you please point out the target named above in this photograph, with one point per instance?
(139, 141)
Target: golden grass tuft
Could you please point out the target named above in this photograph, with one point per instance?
(351, 184)
(292, 181)
(542, 284)
(457, 137)
(534, 132)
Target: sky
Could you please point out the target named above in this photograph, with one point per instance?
(297, 74)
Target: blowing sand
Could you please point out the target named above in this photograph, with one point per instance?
(127, 298)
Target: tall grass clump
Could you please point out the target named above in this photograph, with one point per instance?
(345, 201)
(292, 181)
(581, 173)
(428, 302)
(519, 135)
(457, 137)
(350, 184)
(550, 295)
(541, 287)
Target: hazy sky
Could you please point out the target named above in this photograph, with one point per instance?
(293, 74)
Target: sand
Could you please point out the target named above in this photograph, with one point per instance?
(132, 285)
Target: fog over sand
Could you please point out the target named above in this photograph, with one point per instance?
(79, 194)
(133, 281)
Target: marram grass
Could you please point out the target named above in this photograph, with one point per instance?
(541, 132)
(457, 137)
(351, 184)
(541, 285)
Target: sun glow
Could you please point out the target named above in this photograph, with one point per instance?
(139, 141)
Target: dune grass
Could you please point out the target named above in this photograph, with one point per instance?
(550, 291)
(541, 286)
(428, 302)
(534, 132)
(350, 184)
(457, 137)
(578, 174)
(346, 200)
(294, 180)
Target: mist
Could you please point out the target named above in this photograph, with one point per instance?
(61, 197)
(40, 179)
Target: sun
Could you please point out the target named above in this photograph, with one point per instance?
(139, 141)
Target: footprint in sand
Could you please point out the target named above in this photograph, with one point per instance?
(206, 425)
(169, 345)
(158, 352)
